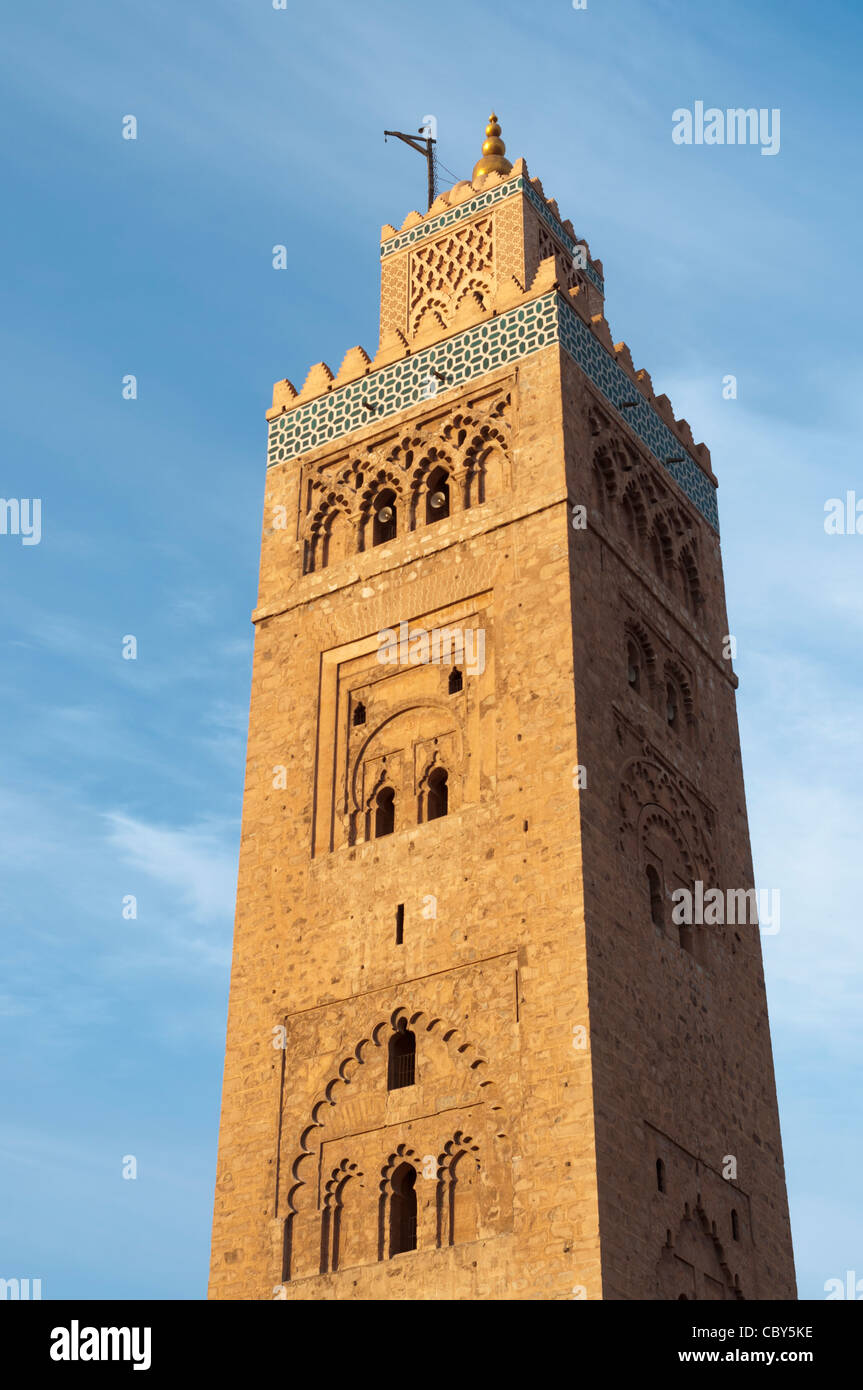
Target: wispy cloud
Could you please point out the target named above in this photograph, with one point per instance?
(197, 864)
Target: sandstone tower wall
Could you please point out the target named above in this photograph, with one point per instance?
(462, 1031)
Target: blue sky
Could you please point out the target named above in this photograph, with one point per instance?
(153, 257)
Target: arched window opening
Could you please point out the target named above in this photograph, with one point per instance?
(456, 681)
(660, 1175)
(402, 1058)
(359, 715)
(437, 496)
(735, 1225)
(672, 705)
(633, 666)
(655, 889)
(385, 812)
(403, 1210)
(385, 524)
(437, 797)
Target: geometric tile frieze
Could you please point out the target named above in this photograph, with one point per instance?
(578, 341)
(470, 355)
(464, 357)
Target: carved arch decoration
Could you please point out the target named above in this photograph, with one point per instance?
(471, 300)
(654, 822)
(471, 442)
(598, 422)
(653, 520)
(604, 479)
(436, 763)
(431, 458)
(334, 507)
(480, 445)
(458, 1167)
(693, 1262)
(635, 631)
(332, 1218)
(661, 546)
(635, 513)
(386, 479)
(358, 796)
(673, 671)
(402, 1155)
(432, 318)
(462, 1052)
(650, 790)
(690, 580)
(441, 271)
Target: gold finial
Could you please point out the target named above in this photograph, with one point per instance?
(493, 160)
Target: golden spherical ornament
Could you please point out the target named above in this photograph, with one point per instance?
(493, 159)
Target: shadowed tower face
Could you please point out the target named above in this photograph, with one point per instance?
(472, 1052)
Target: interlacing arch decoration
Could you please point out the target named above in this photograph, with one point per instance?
(442, 270)
(604, 477)
(656, 821)
(471, 447)
(668, 863)
(406, 454)
(647, 788)
(696, 1242)
(654, 523)
(420, 1022)
(481, 448)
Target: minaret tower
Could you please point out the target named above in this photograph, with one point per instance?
(471, 1053)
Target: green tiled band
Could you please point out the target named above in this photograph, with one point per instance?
(470, 355)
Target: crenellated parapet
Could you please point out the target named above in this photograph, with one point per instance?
(475, 239)
(488, 275)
